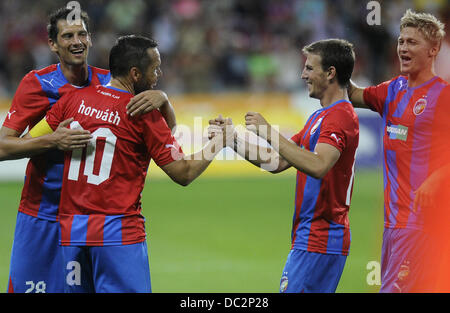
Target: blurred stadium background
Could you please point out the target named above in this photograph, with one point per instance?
(229, 231)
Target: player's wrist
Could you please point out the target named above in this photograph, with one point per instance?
(50, 141)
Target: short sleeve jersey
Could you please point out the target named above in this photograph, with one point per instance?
(320, 222)
(36, 94)
(415, 143)
(102, 183)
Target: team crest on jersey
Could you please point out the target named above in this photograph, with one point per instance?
(404, 271)
(316, 125)
(420, 106)
(283, 283)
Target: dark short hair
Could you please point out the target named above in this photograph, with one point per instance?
(130, 51)
(335, 52)
(61, 14)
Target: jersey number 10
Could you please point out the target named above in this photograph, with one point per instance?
(91, 151)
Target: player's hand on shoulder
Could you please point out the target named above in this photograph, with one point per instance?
(146, 101)
(70, 139)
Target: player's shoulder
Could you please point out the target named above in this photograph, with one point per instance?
(99, 70)
(445, 91)
(152, 117)
(398, 83)
(46, 70)
(99, 76)
(75, 94)
(31, 76)
(343, 112)
(343, 107)
(444, 83)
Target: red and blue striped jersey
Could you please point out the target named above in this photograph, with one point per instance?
(416, 125)
(102, 183)
(320, 222)
(35, 95)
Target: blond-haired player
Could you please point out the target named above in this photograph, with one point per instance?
(415, 108)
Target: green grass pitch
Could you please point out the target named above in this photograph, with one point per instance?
(229, 234)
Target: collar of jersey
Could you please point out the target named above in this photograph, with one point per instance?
(332, 105)
(58, 66)
(423, 84)
(115, 88)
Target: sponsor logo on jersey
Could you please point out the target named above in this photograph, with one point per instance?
(420, 106)
(397, 132)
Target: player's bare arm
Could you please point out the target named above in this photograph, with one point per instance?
(253, 153)
(187, 169)
(315, 164)
(149, 100)
(356, 95)
(12, 146)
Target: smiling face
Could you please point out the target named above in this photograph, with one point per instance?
(415, 52)
(72, 43)
(150, 77)
(315, 77)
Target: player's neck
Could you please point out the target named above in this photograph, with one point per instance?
(77, 75)
(417, 79)
(122, 84)
(332, 95)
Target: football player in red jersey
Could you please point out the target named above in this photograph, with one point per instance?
(415, 110)
(102, 229)
(323, 153)
(36, 256)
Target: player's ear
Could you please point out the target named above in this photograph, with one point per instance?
(331, 73)
(135, 74)
(434, 50)
(53, 45)
(89, 38)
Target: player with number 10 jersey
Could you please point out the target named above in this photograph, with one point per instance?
(109, 211)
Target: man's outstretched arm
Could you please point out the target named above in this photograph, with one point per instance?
(186, 170)
(263, 157)
(315, 164)
(12, 146)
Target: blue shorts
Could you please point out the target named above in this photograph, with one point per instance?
(107, 269)
(36, 258)
(311, 272)
(402, 269)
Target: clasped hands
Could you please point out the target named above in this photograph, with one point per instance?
(254, 122)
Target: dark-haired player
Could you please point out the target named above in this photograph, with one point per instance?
(323, 152)
(36, 262)
(102, 229)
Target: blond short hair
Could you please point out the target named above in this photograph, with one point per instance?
(428, 24)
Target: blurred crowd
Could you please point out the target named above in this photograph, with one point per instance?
(216, 45)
